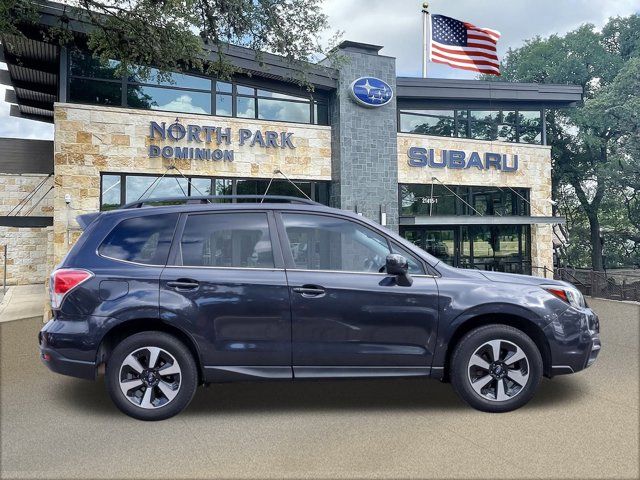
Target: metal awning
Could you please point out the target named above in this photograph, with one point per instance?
(480, 220)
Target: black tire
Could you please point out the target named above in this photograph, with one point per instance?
(185, 382)
(461, 373)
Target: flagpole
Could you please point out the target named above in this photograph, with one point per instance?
(425, 37)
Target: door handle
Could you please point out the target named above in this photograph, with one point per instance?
(183, 284)
(310, 291)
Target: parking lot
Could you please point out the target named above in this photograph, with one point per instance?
(578, 426)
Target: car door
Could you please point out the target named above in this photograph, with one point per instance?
(348, 318)
(226, 284)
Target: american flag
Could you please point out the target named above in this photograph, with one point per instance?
(463, 45)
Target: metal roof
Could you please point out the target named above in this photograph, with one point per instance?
(411, 91)
(33, 73)
(19, 155)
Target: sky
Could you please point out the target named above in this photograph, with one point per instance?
(397, 25)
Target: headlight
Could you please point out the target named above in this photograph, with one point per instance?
(571, 295)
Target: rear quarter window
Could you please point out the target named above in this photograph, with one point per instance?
(145, 239)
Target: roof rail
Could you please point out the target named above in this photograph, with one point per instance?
(214, 198)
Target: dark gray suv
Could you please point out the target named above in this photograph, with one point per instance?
(218, 289)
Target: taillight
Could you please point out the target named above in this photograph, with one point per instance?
(558, 292)
(65, 280)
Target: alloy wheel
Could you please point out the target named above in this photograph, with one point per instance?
(150, 377)
(498, 370)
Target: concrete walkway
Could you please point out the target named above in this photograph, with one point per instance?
(23, 301)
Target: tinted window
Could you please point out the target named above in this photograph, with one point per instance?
(227, 240)
(415, 266)
(328, 243)
(157, 98)
(141, 239)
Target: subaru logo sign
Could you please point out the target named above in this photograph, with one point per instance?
(371, 92)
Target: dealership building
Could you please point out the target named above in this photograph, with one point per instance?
(459, 167)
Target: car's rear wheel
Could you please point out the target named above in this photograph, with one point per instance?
(151, 376)
(496, 368)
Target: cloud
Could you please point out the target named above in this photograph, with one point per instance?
(13, 127)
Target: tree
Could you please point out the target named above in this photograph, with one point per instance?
(175, 35)
(592, 145)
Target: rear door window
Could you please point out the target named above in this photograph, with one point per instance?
(144, 239)
(239, 240)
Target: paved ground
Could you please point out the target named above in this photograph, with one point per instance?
(22, 301)
(580, 426)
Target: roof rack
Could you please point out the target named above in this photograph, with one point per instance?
(214, 198)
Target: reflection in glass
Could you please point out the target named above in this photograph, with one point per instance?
(223, 87)
(95, 92)
(282, 110)
(142, 187)
(428, 122)
(245, 107)
(227, 240)
(156, 98)
(111, 189)
(321, 113)
(223, 105)
(283, 96)
(169, 79)
(242, 90)
(200, 187)
(83, 64)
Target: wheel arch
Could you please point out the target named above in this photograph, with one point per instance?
(130, 327)
(530, 328)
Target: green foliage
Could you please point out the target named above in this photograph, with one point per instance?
(595, 147)
(175, 35)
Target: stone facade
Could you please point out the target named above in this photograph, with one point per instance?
(89, 140)
(27, 248)
(365, 175)
(534, 173)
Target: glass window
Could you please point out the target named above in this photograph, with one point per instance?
(224, 87)
(320, 242)
(428, 122)
(224, 105)
(83, 64)
(242, 90)
(415, 266)
(200, 187)
(95, 92)
(425, 200)
(227, 240)
(157, 98)
(144, 239)
(321, 113)
(322, 192)
(286, 111)
(143, 187)
(111, 189)
(223, 186)
(441, 244)
(530, 127)
(282, 96)
(153, 76)
(245, 107)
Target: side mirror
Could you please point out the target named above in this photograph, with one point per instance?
(397, 265)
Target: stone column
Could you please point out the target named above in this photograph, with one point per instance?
(364, 140)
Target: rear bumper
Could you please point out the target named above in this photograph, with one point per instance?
(574, 341)
(58, 354)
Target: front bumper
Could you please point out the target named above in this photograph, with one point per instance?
(574, 340)
(63, 350)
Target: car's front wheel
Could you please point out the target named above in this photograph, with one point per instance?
(496, 368)
(151, 376)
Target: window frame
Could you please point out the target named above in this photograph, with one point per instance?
(126, 82)
(289, 263)
(118, 222)
(463, 127)
(315, 184)
(276, 248)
